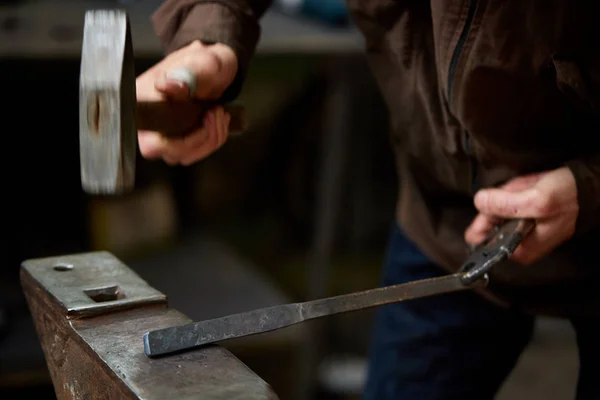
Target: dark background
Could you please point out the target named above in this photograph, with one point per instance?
(297, 208)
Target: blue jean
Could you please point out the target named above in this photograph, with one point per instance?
(454, 346)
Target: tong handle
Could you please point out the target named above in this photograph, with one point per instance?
(497, 247)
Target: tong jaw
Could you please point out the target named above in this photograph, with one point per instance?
(497, 247)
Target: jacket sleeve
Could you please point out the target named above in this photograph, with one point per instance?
(587, 177)
(586, 170)
(231, 22)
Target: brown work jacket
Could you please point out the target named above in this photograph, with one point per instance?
(478, 91)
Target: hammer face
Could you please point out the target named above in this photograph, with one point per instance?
(107, 129)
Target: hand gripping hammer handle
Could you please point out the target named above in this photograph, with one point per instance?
(178, 118)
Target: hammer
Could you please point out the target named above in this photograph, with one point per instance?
(109, 113)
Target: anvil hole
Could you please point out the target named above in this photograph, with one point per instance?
(103, 294)
(63, 267)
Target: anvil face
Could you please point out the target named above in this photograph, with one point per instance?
(90, 312)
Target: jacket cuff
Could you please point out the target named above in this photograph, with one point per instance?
(180, 22)
(587, 177)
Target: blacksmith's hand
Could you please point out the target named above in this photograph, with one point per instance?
(550, 198)
(215, 67)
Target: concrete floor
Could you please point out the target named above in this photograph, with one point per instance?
(548, 368)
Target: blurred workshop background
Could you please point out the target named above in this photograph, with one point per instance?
(297, 208)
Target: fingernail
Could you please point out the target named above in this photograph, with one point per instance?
(185, 77)
(167, 84)
(175, 82)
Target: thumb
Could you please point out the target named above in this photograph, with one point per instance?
(521, 183)
(176, 85)
(198, 71)
(504, 203)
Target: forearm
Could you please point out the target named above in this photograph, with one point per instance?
(231, 22)
(587, 177)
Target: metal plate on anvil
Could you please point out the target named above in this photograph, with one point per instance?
(92, 283)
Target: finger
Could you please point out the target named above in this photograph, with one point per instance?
(218, 69)
(181, 148)
(212, 129)
(530, 203)
(214, 67)
(188, 149)
(154, 145)
(226, 123)
(221, 126)
(151, 144)
(481, 226)
(210, 144)
(170, 161)
(537, 244)
(522, 182)
(145, 86)
(208, 69)
(523, 254)
(541, 241)
(172, 88)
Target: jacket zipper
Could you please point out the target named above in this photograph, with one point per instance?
(451, 71)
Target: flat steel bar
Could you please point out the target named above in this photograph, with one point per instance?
(188, 336)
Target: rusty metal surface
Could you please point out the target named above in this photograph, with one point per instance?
(183, 337)
(94, 348)
(72, 279)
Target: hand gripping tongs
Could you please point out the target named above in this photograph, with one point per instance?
(499, 246)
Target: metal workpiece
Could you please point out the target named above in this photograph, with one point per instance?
(189, 336)
(90, 312)
(473, 274)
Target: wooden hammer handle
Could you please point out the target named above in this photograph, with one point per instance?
(179, 118)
